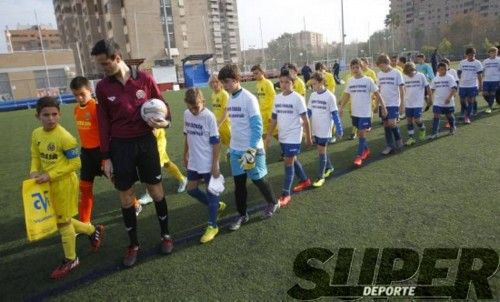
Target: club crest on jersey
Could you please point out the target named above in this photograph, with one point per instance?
(51, 147)
(140, 94)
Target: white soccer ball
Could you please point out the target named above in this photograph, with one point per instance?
(154, 108)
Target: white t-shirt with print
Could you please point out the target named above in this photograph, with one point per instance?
(288, 110)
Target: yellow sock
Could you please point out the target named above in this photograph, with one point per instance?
(174, 171)
(68, 239)
(82, 228)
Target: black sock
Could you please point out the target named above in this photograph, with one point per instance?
(240, 193)
(162, 213)
(266, 190)
(130, 220)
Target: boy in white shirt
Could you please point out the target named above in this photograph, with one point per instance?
(201, 156)
(247, 156)
(323, 112)
(444, 89)
(391, 85)
(360, 89)
(491, 81)
(470, 73)
(290, 115)
(417, 87)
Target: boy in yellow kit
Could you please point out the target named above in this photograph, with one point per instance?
(55, 159)
(265, 95)
(298, 84)
(220, 99)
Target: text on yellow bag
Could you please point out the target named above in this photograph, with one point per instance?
(38, 212)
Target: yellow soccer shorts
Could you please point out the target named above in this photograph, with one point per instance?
(64, 197)
(225, 135)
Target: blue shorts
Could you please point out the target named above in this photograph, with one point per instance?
(443, 110)
(414, 112)
(468, 92)
(193, 175)
(290, 150)
(392, 113)
(491, 86)
(259, 171)
(321, 141)
(361, 123)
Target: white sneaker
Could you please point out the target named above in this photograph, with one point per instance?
(182, 185)
(145, 199)
(238, 222)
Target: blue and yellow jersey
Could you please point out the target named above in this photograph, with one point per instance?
(299, 87)
(265, 94)
(54, 152)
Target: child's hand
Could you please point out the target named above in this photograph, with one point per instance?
(448, 100)
(34, 174)
(341, 111)
(309, 140)
(340, 135)
(107, 168)
(266, 141)
(215, 172)
(42, 178)
(383, 112)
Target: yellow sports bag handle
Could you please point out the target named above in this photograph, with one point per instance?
(38, 212)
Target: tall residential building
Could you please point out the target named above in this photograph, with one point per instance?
(28, 38)
(309, 40)
(421, 20)
(193, 27)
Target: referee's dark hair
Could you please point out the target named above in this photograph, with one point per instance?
(108, 47)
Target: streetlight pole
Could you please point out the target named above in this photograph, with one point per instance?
(343, 31)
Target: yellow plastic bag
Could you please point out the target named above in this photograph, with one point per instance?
(38, 212)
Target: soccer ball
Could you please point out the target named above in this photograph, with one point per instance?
(154, 108)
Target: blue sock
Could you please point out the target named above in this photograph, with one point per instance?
(469, 109)
(389, 138)
(362, 145)
(329, 164)
(474, 106)
(287, 184)
(463, 105)
(198, 195)
(299, 171)
(397, 133)
(490, 99)
(451, 120)
(435, 125)
(420, 125)
(322, 165)
(213, 207)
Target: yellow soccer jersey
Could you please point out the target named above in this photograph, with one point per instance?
(265, 94)
(371, 74)
(220, 101)
(299, 86)
(54, 152)
(398, 68)
(330, 82)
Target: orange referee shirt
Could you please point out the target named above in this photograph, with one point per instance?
(86, 124)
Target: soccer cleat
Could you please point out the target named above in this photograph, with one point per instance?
(96, 238)
(333, 140)
(366, 153)
(65, 268)
(487, 110)
(145, 199)
(270, 209)
(358, 161)
(447, 125)
(210, 234)
(222, 207)
(239, 221)
(138, 209)
(467, 120)
(453, 130)
(353, 136)
(319, 182)
(421, 134)
(328, 172)
(284, 200)
(302, 186)
(388, 150)
(131, 255)
(166, 244)
(410, 141)
(182, 185)
(432, 136)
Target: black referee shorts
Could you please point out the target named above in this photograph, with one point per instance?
(135, 159)
(91, 164)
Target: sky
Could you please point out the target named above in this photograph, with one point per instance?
(362, 17)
